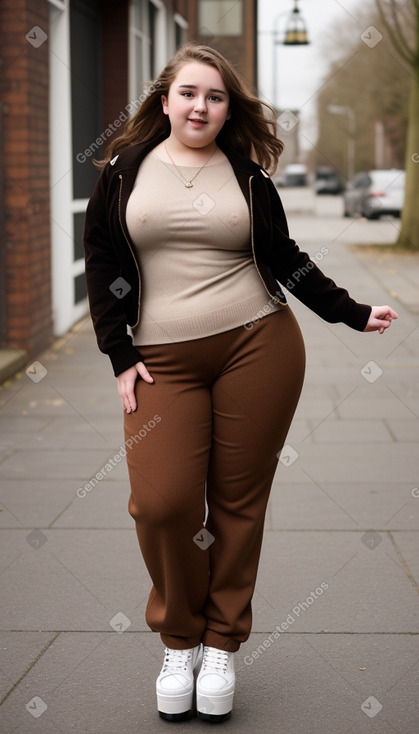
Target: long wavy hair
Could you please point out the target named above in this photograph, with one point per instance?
(251, 129)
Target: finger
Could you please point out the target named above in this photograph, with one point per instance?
(126, 403)
(386, 316)
(391, 313)
(382, 325)
(127, 395)
(130, 405)
(387, 313)
(143, 372)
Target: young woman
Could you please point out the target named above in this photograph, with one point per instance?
(186, 244)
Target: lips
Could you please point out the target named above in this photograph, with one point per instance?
(197, 121)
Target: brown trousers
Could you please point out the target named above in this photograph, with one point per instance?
(208, 431)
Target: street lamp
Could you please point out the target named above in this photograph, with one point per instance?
(337, 109)
(295, 35)
(296, 31)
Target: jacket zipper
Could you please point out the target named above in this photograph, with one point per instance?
(130, 249)
(253, 244)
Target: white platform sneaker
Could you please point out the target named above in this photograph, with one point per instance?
(215, 685)
(175, 684)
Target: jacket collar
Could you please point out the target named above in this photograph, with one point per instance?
(132, 156)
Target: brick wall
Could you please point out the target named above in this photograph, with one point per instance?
(24, 94)
(240, 50)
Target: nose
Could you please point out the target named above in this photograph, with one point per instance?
(200, 103)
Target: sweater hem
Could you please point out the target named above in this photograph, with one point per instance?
(249, 310)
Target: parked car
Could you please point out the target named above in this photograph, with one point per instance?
(373, 193)
(295, 174)
(328, 181)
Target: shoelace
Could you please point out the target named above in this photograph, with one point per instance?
(215, 659)
(176, 659)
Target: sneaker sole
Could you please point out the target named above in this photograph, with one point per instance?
(175, 706)
(213, 707)
(215, 718)
(177, 717)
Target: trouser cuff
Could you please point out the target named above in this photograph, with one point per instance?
(213, 639)
(180, 643)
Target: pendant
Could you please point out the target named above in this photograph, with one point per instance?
(188, 185)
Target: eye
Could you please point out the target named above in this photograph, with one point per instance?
(187, 94)
(214, 98)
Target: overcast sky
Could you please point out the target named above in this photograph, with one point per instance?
(300, 69)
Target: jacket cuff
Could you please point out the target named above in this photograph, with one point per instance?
(358, 318)
(124, 357)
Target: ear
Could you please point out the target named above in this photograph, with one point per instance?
(228, 115)
(164, 104)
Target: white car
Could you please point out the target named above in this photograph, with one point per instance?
(373, 193)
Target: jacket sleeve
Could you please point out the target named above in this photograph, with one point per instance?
(295, 270)
(107, 303)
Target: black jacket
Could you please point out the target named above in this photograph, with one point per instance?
(113, 272)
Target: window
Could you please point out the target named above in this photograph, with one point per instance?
(147, 36)
(220, 17)
(86, 86)
(181, 30)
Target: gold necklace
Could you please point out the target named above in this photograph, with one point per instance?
(188, 182)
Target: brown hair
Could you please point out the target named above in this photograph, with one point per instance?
(251, 130)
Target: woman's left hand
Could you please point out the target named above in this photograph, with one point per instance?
(380, 319)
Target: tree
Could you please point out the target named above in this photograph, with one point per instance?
(368, 78)
(401, 21)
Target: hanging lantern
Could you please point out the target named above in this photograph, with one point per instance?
(295, 31)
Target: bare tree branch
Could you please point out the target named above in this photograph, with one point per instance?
(395, 17)
(396, 34)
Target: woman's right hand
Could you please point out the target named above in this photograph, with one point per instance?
(126, 382)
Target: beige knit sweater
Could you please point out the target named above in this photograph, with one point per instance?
(193, 245)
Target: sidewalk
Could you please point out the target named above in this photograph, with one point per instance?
(335, 641)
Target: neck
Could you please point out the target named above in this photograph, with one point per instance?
(188, 154)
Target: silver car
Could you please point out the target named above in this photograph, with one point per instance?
(373, 193)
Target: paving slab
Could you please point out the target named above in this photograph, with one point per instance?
(351, 432)
(368, 588)
(402, 430)
(71, 579)
(398, 271)
(34, 503)
(343, 506)
(77, 434)
(19, 651)
(109, 499)
(407, 544)
(102, 683)
(322, 463)
(300, 431)
(108, 428)
(80, 464)
(49, 397)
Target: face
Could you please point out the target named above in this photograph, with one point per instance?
(197, 104)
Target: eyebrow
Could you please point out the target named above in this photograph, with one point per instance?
(193, 86)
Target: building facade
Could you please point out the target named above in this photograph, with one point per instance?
(73, 72)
